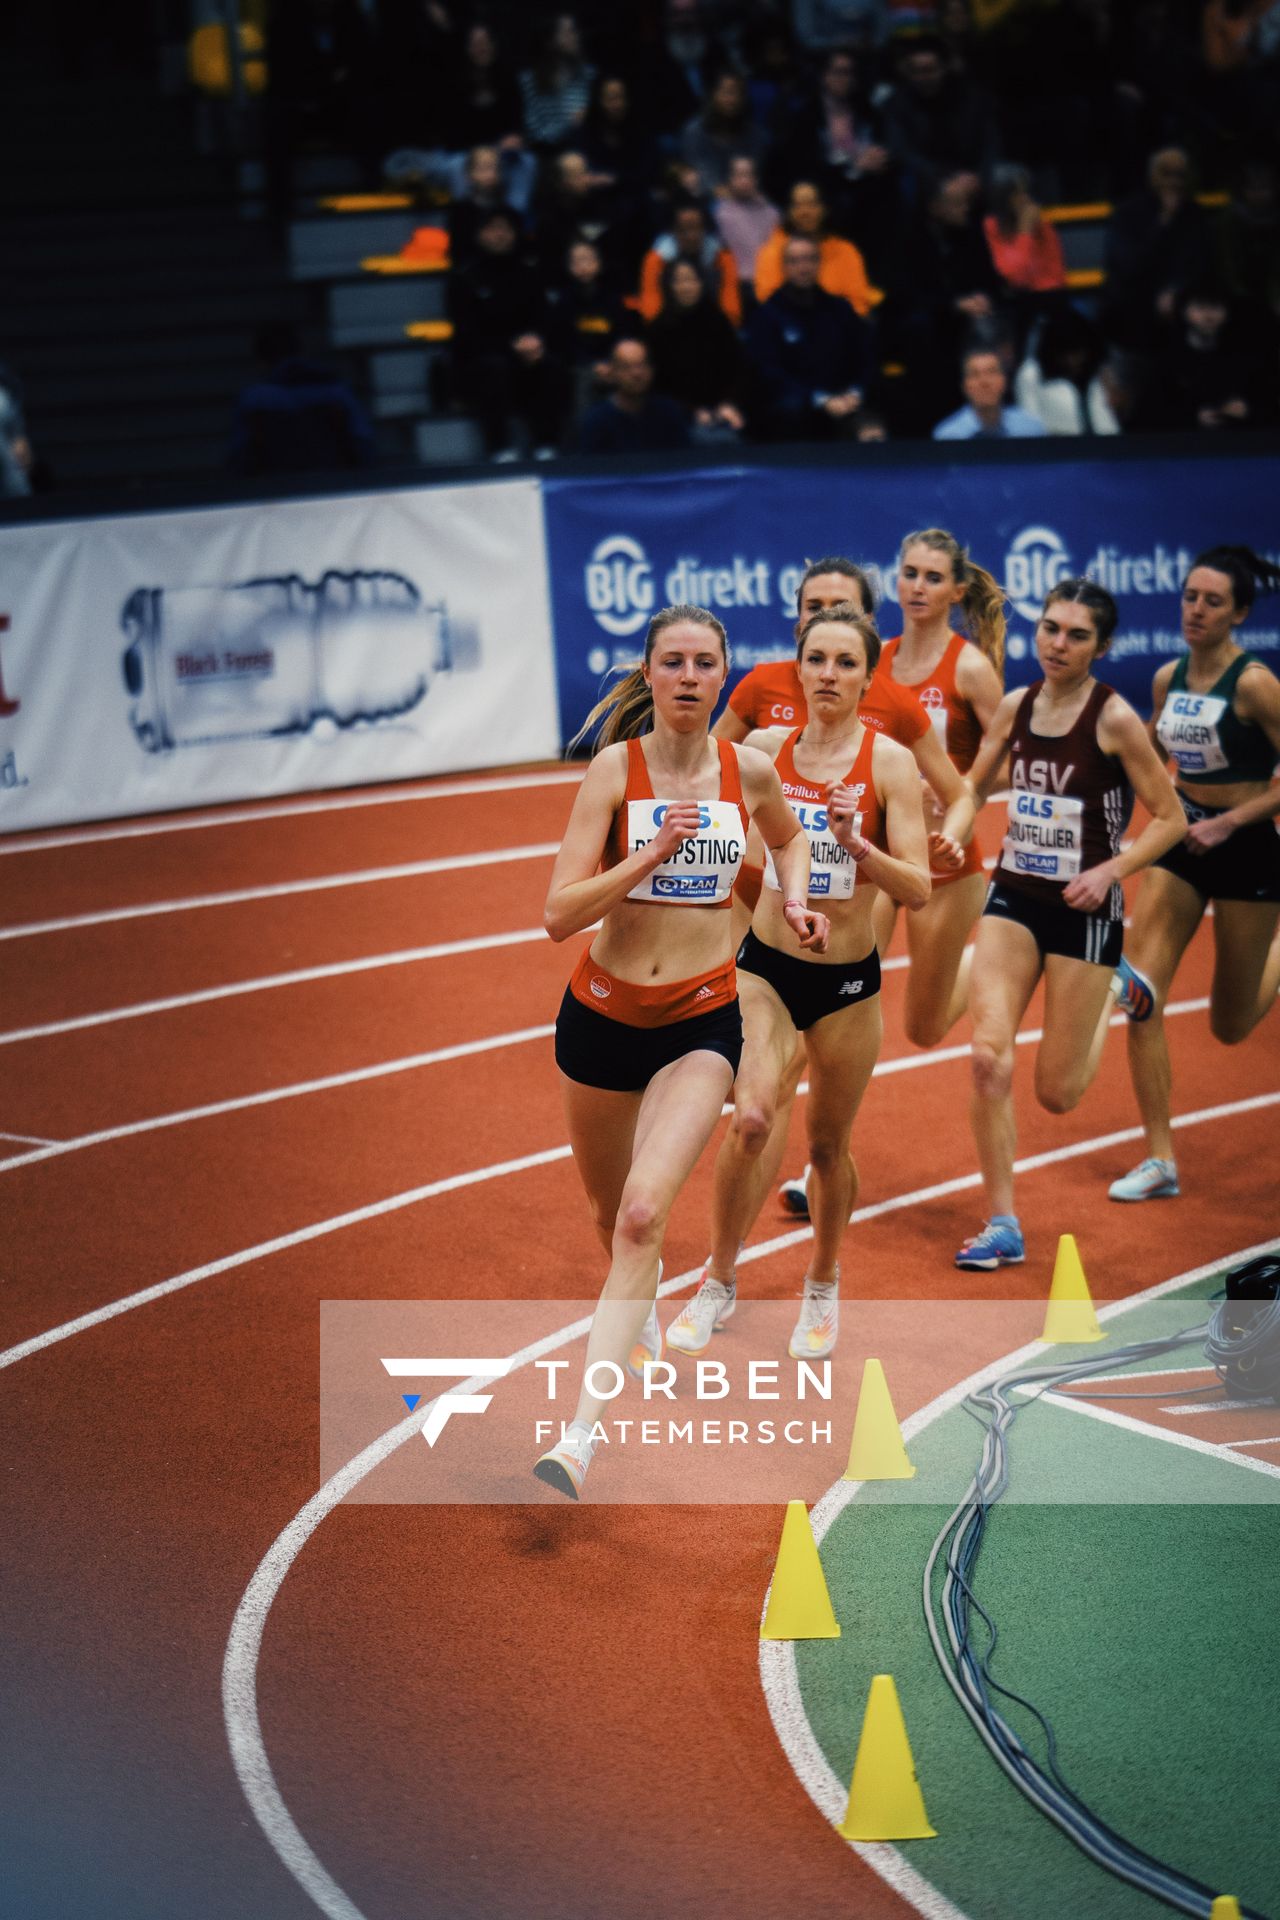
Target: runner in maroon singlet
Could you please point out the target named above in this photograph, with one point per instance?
(1076, 755)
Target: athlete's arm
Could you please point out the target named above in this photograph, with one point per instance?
(978, 682)
(1258, 704)
(739, 716)
(786, 841)
(903, 872)
(1120, 732)
(731, 726)
(977, 787)
(1159, 694)
(579, 895)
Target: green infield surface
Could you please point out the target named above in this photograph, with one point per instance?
(1140, 1618)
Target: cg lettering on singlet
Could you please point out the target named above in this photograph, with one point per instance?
(832, 870)
(702, 870)
(1188, 730)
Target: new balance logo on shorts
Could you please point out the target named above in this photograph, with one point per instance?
(850, 986)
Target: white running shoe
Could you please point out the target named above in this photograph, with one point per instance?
(564, 1466)
(648, 1342)
(709, 1308)
(818, 1327)
(1153, 1180)
(794, 1195)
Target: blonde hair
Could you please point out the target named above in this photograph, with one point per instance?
(984, 599)
(626, 711)
(846, 614)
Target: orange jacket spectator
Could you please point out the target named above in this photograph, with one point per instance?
(1030, 261)
(841, 270)
(691, 239)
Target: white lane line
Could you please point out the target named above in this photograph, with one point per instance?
(282, 889)
(32, 1139)
(355, 1076)
(478, 1176)
(778, 1677)
(1208, 1406)
(238, 816)
(1272, 1440)
(1153, 1373)
(1127, 1423)
(408, 1063)
(299, 976)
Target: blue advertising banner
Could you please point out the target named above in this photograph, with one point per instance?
(737, 540)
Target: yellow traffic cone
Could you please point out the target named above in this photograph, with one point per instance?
(885, 1801)
(1070, 1319)
(1225, 1907)
(876, 1451)
(799, 1605)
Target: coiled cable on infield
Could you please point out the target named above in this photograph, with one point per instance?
(949, 1616)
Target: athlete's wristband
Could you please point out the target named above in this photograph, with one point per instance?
(858, 858)
(794, 903)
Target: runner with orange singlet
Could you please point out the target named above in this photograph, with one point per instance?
(959, 681)
(858, 796)
(649, 1032)
(770, 696)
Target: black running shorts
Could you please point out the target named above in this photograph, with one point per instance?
(811, 989)
(600, 1052)
(1245, 867)
(1057, 928)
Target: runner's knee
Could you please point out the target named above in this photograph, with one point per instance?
(752, 1124)
(1231, 1024)
(640, 1220)
(992, 1069)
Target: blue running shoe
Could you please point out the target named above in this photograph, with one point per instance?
(998, 1245)
(1136, 995)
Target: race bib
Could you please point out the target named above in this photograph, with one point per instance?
(833, 871)
(1189, 731)
(1045, 839)
(702, 870)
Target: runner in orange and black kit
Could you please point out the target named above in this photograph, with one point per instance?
(1216, 715)
(858, 798)
(1077, 753)
(958, 680)
(649, 1032)
(770, 696)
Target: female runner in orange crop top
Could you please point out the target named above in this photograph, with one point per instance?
(958, 682)
(649, 1033)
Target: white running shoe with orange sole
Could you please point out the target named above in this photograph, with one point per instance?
(710, 1307)
(818, 1328)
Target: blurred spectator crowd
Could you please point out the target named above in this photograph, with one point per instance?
(681, 223)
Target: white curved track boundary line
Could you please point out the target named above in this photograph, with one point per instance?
(239, 1681)
(778, 1676)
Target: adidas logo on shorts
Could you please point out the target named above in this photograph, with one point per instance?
(703, 993)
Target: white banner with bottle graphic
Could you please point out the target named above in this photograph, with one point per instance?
(178, 659)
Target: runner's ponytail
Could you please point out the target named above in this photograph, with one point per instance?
(1249, 573)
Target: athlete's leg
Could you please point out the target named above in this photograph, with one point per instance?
(1006, 967)
(842, 1053)
(763, 1084)
(938, 978)
(884, 918)
(1246, 967)
(1165, 916)
(1077, 1008)
(602, 1128)
(678, 1113)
